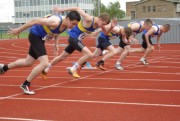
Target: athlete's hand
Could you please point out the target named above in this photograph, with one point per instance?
(13, 32)
(135, 41)
(56, 49)
(56, 9)
(113, 22)
(158, 47)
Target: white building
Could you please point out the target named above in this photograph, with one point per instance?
(26, 10)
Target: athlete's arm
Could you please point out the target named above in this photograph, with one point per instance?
(56, 43)
(52, 21)
(158, 41)
(150, 32)
(85, 16)
(107, 28)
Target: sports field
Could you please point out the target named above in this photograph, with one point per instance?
(138, 93)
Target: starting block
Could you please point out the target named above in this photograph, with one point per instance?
(87, 66)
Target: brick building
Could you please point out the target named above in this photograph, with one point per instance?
(153, 9)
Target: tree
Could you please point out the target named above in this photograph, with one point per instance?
(113, 9)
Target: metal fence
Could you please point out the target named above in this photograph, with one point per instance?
(172, 36)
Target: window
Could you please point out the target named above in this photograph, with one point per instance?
(154, 8)
(35, 13)
(39, 13)
(38, 2)
(17, 16)
(46, 2)
(58, 1)
(20, 14)
(54, 2)
(149, 8)
(66, 1)
(133, 14)
(31, 3)
(144, 9)
(16, 3)
(19, 3)
(62, 1)
(50, 2)
(31, 14)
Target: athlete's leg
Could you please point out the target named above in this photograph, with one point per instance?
(28, 61)
(39, 68)
(111, 53)
(56, 60)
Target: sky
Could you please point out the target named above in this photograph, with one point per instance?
(7, 8)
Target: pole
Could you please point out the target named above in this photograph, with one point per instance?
(99, 7)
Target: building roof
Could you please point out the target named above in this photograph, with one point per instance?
(142, 1)
(161, 21)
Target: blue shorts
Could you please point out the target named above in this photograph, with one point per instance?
(121, 43)
(144, 43)
(37, 47)
(74, 44)
(103, 43)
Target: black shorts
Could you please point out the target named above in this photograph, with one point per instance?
(103, 43)
(121, 43)
(144, 43)
(37, 47)
(74, 44)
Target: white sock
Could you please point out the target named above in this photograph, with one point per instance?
(75, 66)
(48, 68)
(118, 63)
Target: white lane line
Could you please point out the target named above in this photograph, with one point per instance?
(98, 102)
(103, 88)
(130, 79)
(22, 119)
(11, 96)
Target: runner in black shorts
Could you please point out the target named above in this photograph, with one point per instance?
(144, 43)
(74, 44)
(137, 27)
(147, 46)
(104, 43)
(76, 35)
(42, 29)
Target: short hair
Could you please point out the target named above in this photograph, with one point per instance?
(167, 26)
(105, 17)
(73, 15)
(148, 22)
(128, 31)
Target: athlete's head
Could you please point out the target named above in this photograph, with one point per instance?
(73, 17)
(128, 32)
(166, 28)
(104, 19)
(148, 24)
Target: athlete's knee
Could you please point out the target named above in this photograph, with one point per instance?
(114, 52)
(28, 63)
(44, 64)
(90, 56)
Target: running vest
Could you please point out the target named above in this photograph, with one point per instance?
(108, 36)
(42, 31)
(79, 31)
(155, 33)
(138, 31)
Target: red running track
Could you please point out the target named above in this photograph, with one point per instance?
(139, 93)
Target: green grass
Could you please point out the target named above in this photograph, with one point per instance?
(4, 35)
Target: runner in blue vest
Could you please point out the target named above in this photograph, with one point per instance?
(76, 35)
(125, 49)
(42, 29)
(147, 46)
